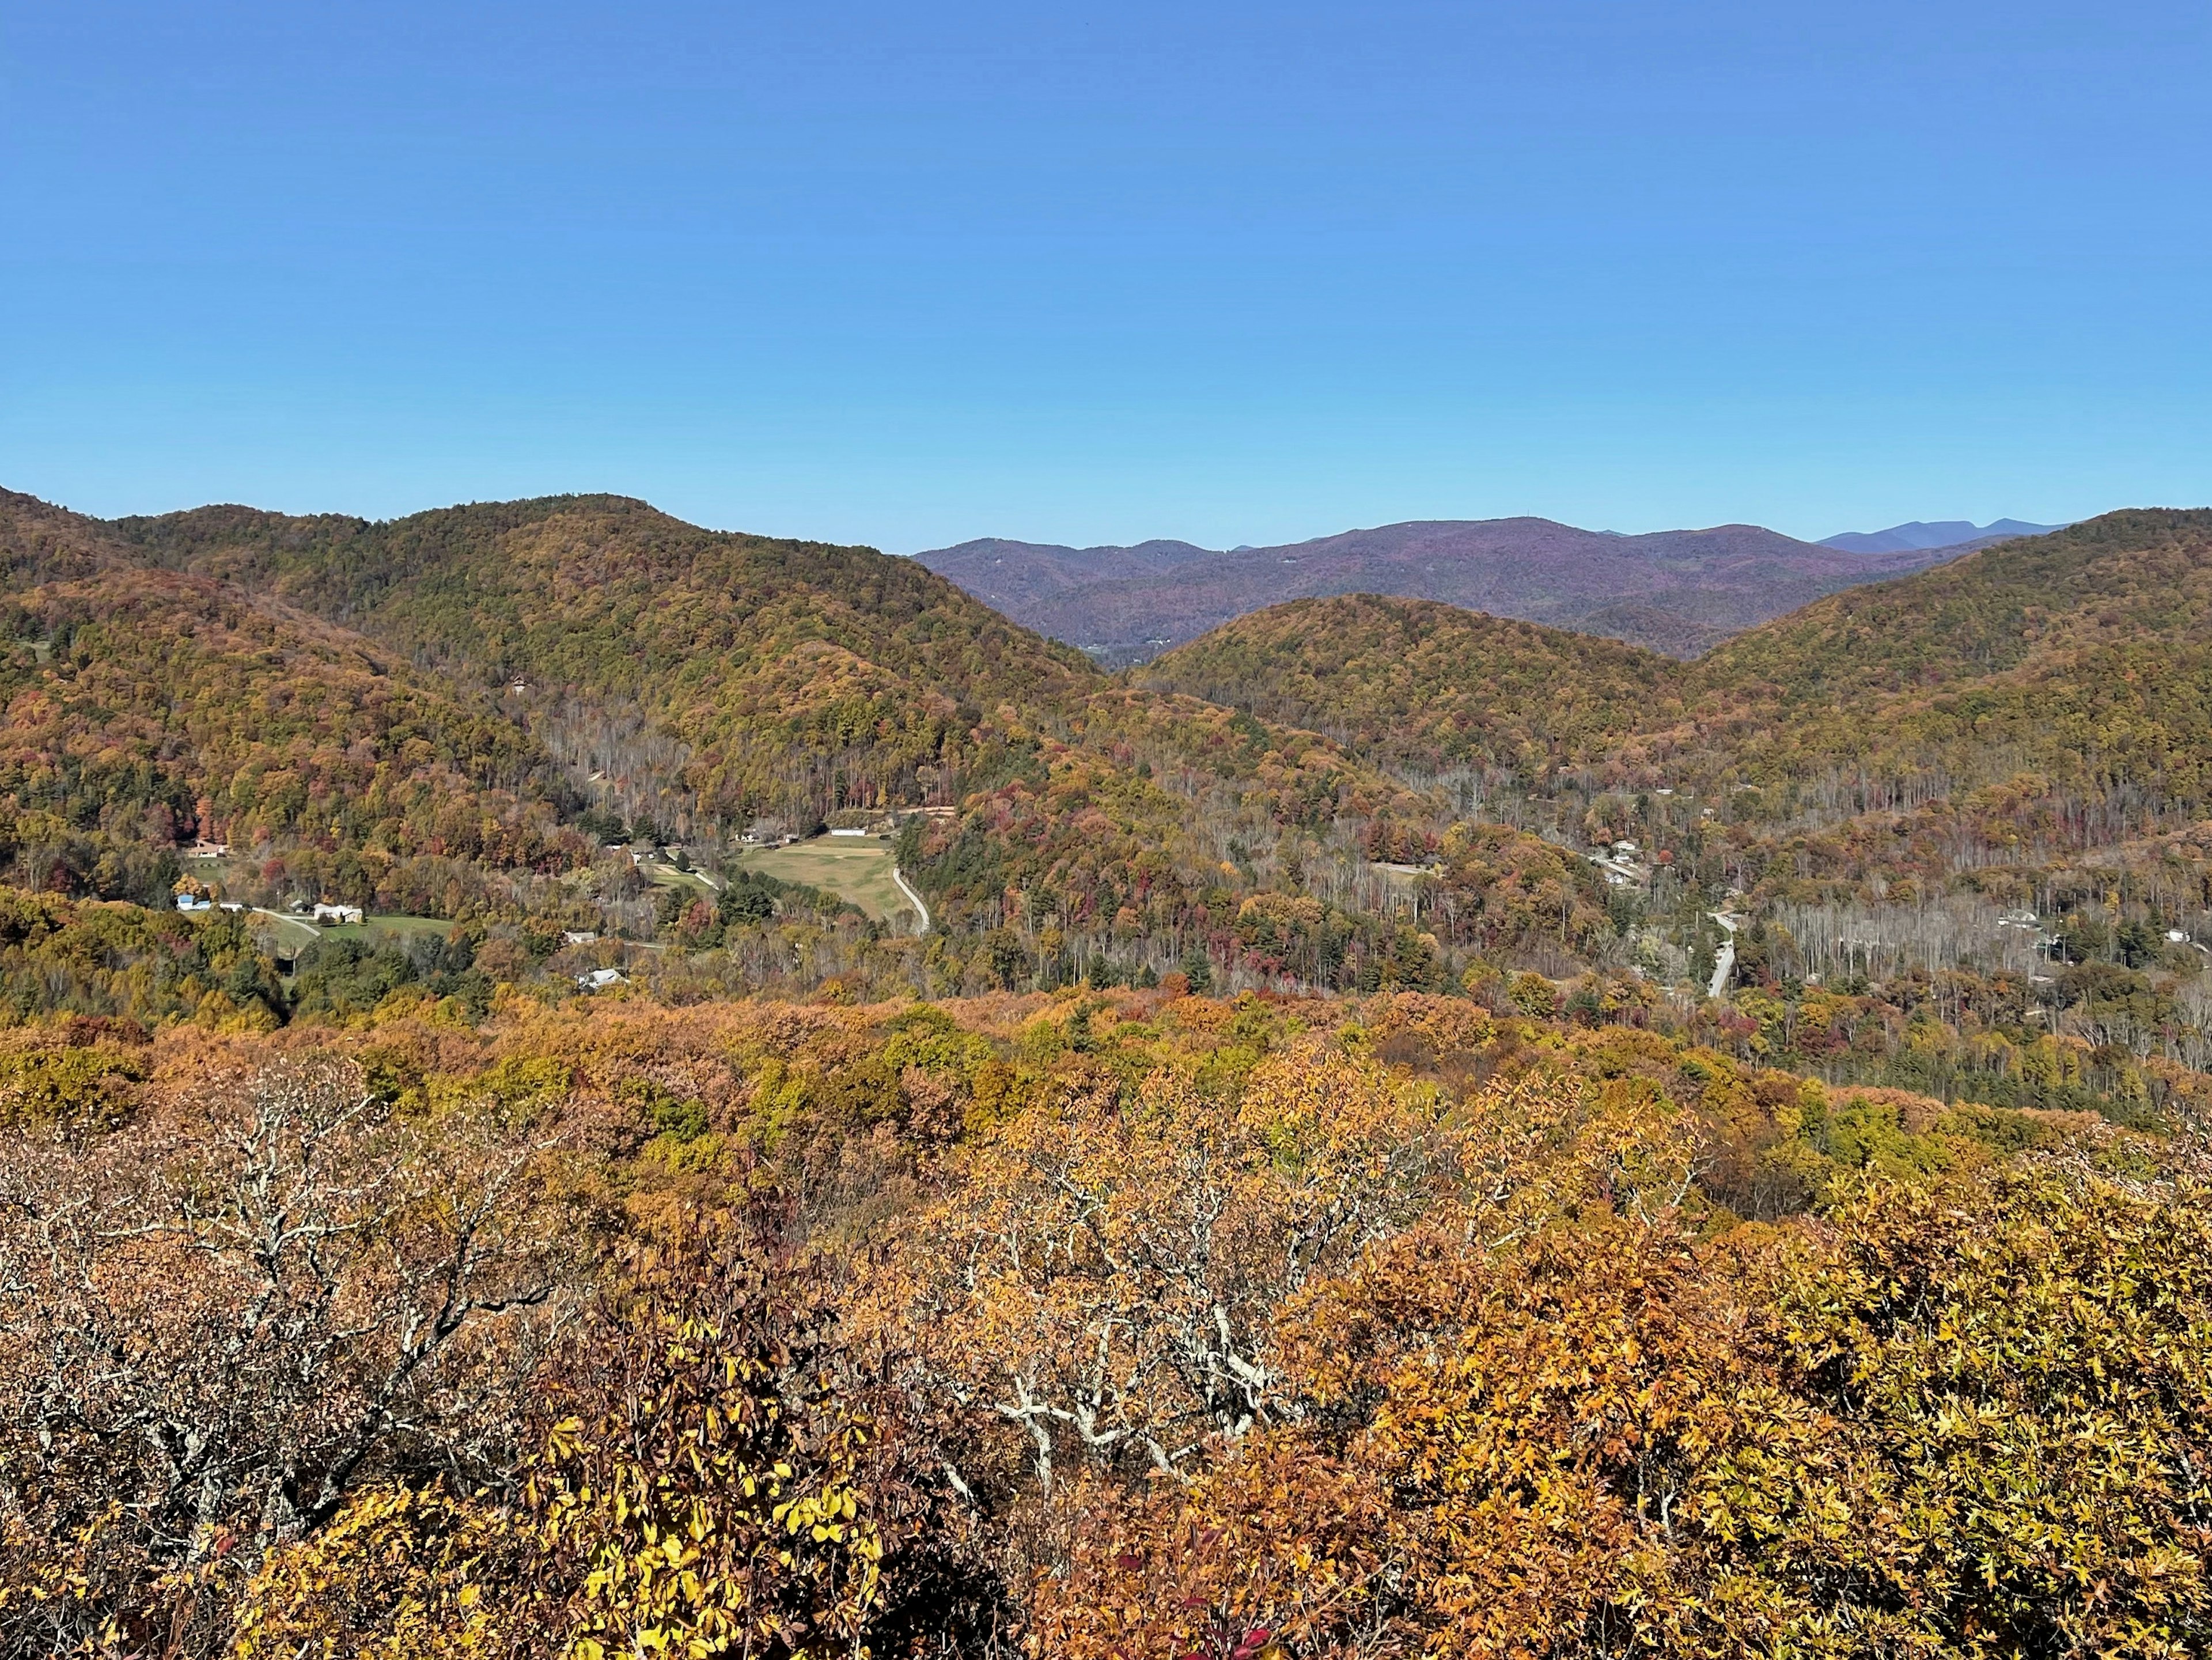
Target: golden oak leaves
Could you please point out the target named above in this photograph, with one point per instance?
(1422, 1313)
(712, 1491)
(2021, 1365)
(1281, 1542)
(1967, 1420)
(398, 1572)
(1522, 1426)
(1101, 1275)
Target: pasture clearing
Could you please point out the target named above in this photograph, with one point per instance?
(297, 932)
(858, 868)
(667, 876)
(401, 926)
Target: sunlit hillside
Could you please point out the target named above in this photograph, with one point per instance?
(575, 1084)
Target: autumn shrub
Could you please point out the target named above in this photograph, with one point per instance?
(1100, 1277)
(713, 1474)
(223, 1315)
(1099, 1326)
(1969, 1418)
(2018, 1370)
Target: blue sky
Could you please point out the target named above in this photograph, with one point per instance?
(906, 273)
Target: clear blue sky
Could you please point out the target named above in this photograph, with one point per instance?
(1235, 273)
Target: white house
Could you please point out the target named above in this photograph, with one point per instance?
(600, 979)
(337, 916)
(577, 936)
(186, 901)
(848, 832)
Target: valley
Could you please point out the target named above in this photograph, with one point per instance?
(1030, 1112)
(620, 1039)
(526, 722)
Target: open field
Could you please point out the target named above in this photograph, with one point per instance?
(297, 931)
(667, 876)
(858, 868)
(390, 925)
(294, 933)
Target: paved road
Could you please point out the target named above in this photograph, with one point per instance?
(907, 888)
(1725, 965)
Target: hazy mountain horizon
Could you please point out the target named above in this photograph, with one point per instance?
(1921, 534)
(1677, 591)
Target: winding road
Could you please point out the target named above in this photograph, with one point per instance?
(907, 888)
(1724, 963)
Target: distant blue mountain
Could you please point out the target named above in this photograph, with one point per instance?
(1675, 591)
(1943, 533)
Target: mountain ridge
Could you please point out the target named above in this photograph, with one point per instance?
(1919, 535)
(2058, 654)
(1677, 591)
(569, 673)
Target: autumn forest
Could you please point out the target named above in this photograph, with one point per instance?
(572, 1085)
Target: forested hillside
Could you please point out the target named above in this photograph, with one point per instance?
(685, 685)
(1428, 684)
(458, 716)
(1976, 795)
(1405, 1134)
(797, 676)
(2079, 654)
(41, 542)
(146, 709)
(1102, 1325)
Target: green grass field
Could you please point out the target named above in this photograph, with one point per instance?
(297, 931)
(858, 868)
(294, 934)
(667, 876)
(401, 926)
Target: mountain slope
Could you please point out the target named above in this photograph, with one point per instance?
(411, 715)
(2086, 655)
(797, 676)
(42, 542)
(1413, 682)
(695, 679)
(144, 708)
(1012, 576)
(1676, 590)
